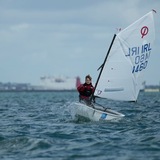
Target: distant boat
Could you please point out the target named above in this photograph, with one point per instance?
(121, 73)
(59, 83)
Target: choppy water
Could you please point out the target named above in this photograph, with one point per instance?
(39, 126)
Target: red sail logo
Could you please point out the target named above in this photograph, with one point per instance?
(144, 31)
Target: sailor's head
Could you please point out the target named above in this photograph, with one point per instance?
(88, 79)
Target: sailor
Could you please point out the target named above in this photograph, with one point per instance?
(86, 90)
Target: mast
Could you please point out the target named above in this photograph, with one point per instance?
(102, 66)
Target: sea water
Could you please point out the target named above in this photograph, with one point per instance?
(39, 126)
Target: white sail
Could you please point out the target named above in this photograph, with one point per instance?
(121, 77)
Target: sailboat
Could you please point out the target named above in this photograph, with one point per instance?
(121, 73)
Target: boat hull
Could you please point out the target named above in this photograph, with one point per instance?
(95, 113)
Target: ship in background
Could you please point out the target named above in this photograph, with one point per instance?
(59, 83)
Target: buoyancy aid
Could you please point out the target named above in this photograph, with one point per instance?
(86, 90)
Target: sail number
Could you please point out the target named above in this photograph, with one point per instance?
(139, 67)
(139, 57)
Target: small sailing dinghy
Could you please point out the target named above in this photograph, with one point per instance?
(121, 73)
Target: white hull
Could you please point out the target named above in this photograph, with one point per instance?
(95, 114)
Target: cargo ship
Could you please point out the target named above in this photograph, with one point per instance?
(59, 83)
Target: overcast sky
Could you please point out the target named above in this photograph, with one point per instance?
(66, 37)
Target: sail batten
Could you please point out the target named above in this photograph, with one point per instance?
(122, 73)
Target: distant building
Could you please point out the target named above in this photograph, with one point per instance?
(152, 88)
(15, 86)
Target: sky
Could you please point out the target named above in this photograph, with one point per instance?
(66, 37)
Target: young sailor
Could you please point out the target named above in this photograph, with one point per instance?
(85, 90)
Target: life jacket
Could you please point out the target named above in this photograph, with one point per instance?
(88, 90)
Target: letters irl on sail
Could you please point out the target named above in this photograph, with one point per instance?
(141, 55)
